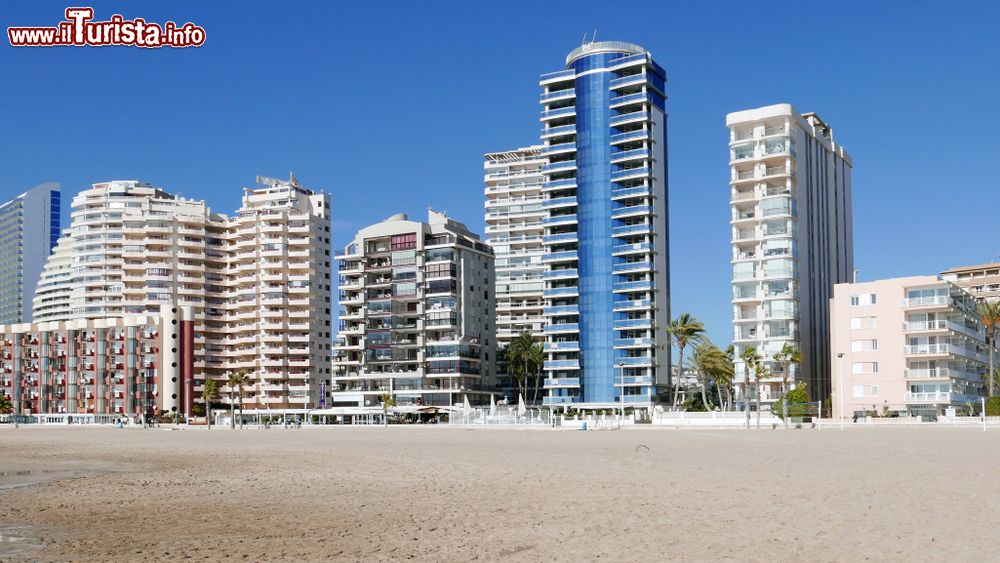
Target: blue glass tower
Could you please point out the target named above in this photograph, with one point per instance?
(606, 248)
(29, 229)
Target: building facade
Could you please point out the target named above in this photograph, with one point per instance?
(982, 281)
(792, 241)
(257, 283)
(514, 215)
(29, 229)
(417, 317)
(909, 346)
(131, 365)
(606, 243)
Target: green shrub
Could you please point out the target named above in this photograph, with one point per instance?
(798, 403)
(993, 406)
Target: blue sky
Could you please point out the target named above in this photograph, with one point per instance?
(390, 107)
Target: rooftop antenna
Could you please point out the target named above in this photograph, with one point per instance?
(594, 38)
(584, 42)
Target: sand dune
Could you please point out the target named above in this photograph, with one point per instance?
(436, 493)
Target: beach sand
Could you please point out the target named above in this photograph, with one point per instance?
(438, 493)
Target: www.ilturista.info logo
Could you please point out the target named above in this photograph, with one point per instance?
(79, 30)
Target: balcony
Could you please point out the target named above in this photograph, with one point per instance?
(549, 132)
(561, 310)
(565, 184)
(639, 78)
(633, 380)
(930, 397)
(629, 324)
(556, 113)
(629, 117)
(559, 166)
(642, 134)
(626, 267)
(637, 191)
(623, 230)
(630, 173)
(632, 211)
(560, 220)
(568, 201)
(552, 365)
(936, 301)
(637, 248)
(632, 305)
(629, 99)
(561, 382)
(620, 287)
(557, 95)
(564, 400)
(565, 256)
(560, 292)
(563, 328)
(567, 273)
(634, 361)
(571, 346)
(633, 154)
(633, 342)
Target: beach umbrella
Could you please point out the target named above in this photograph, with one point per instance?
(466, 407)
(493, 405)
(521, 409)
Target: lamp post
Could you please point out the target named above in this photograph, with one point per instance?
(621, 369)
(840, 384)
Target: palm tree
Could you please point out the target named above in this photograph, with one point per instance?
(525, 358)
(759, 372)
(708, 360)
(750, 358)
(209, 393)
(388, 401)
(989, 316)
(238, 380)
(683, 331)
(788, 355)
(722, 374)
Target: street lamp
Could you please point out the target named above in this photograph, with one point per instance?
(840, 378)
(621, 368)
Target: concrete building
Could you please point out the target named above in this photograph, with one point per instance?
(417, 317)
(29, 228)
(257, 283)
(607, 280)
(130, 365)
(514, 213)
(792, 240)
(912, 346)
(982, 281)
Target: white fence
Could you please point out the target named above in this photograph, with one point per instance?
(713, 419)
(501, 416)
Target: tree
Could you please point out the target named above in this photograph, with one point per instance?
(709, 362)
(989, 316)
(6, 405)
(238, 380)
(683, 331)
(209, 393)
(525, 359)
(795, 402)
(750, 359)
(787, 356)
(388, 401)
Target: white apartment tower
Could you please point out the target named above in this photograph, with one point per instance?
(514, 214)
(790, 193)
(417, 317)
(257, 284)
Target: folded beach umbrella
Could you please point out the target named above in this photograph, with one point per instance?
(521, 409)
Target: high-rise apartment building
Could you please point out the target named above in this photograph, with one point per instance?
(417, 317)
(257, 283)
(911, 346)
(514, 214)
(982, 281)
(790, 193)
(29, 229)
(606, 242)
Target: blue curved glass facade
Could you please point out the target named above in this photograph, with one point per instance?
(607, 286)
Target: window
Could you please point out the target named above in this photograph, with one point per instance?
(863, 300)
(865, 391)
(864, 345)
(864, 322)
(403, 242)
(861, 368)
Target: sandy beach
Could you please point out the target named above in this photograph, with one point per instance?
(437, 494)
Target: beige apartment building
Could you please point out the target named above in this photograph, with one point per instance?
(982, 281)
(417, 317)
(257, 283)
(909, 346)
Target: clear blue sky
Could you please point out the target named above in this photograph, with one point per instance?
(390, 107)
